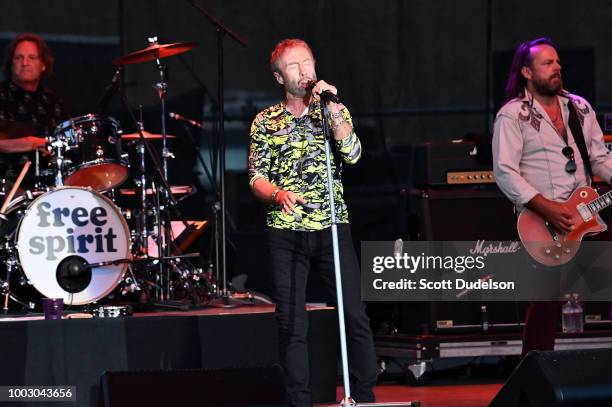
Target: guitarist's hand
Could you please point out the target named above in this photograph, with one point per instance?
(556, 213)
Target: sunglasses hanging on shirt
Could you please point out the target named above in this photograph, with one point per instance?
(568, 152)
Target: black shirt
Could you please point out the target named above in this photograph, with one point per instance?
(42, 109)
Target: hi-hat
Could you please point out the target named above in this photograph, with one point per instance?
(155, 51)
(146, 134)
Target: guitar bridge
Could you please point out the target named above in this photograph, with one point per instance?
(584, 212)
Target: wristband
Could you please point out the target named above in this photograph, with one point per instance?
(335, 116)
(336, 125)
(276, 191)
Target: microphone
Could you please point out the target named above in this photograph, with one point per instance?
(179, 117)
(110, 89)
(325, 95)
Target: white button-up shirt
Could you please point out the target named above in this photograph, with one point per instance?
(527, 157)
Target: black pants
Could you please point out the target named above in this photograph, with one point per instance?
(293, 254)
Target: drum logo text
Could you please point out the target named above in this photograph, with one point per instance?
(74, 220)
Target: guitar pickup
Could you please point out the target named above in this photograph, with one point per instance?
(584, 212)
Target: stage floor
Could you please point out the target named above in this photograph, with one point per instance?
(237, 310)
(472, 395)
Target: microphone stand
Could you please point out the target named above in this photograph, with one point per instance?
(222, 293)
(347, 400)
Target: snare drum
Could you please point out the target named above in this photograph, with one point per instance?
(63, 231)
(94, 157)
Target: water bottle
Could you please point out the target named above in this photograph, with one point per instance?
(571, 314)
(566, 311)
(484, 318)
(578, 316)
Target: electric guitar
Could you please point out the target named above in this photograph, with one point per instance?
(547, 245)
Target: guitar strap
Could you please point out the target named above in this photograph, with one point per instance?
(576, 129)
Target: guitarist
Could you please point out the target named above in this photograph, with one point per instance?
(546, 143)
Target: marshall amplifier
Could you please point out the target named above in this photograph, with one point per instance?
(460, 213)
(453, 162)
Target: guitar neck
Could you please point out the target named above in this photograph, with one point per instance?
(601, 202)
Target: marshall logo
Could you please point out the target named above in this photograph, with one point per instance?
(484, 249)
(69, 222)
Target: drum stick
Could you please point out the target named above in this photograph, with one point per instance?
(16, 185)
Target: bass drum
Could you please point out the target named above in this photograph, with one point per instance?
(62, 232)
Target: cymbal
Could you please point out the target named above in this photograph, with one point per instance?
(155, 51)
(11, 130)
(146, 134)
(175, 189)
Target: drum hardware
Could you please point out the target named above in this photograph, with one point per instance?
(111, 311)
(130, 260)
(130, 283)
(12, 266)
(56, 146)
(164, 201)
(11, 263)
(144, 232)
(147, 135)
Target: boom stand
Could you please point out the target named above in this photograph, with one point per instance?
(223, 295)
(347, 400)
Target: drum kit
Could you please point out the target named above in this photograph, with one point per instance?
(66, 237)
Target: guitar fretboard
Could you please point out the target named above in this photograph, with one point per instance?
(600, 203)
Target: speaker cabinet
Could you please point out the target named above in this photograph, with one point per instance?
(576, 378)
(461, 213)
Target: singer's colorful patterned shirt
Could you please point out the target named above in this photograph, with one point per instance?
(290, 153)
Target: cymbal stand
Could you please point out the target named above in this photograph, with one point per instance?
(166, 201)
(144, 232)
(169, 202)
(164, 226)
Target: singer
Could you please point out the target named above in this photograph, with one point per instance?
(287, 171)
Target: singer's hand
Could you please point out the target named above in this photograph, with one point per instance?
(287, 200)
(322, 86)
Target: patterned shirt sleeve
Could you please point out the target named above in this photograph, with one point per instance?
(349, 148)
(259, 152)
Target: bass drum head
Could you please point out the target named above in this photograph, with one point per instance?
(63, 231)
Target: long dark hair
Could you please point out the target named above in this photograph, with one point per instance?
(515, 85)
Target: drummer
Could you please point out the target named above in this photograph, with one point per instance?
(29, 110)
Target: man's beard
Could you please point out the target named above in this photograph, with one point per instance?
(297, 90)
(547, 87)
